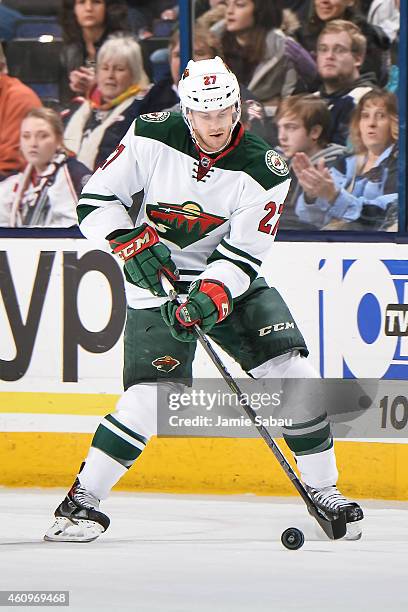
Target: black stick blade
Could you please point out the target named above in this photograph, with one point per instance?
(335, 527)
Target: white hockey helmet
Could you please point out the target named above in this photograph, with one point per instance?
(208, 85)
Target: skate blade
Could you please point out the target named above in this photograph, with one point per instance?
(354, 532)
(64, 530)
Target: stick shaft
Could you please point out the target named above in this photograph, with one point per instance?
(334, 528)
(168, 287)
(252, 414)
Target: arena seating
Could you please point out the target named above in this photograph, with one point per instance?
(34, 27)
(36, 64)
(35, 7)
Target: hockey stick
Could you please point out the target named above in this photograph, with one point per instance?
(334, 526)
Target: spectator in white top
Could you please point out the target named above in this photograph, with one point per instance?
(46, 193)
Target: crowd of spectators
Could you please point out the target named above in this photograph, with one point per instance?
(318, 81)
(360, 190)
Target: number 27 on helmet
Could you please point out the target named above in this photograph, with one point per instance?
(208, 85)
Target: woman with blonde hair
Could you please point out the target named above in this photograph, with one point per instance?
(46, 193)
(96, 124)
(362, 186)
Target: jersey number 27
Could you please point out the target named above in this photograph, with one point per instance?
(264, 225)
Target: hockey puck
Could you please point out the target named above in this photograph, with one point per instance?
(292, 538)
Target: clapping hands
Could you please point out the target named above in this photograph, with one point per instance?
(316, 181)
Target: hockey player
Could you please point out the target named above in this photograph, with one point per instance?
(211, 199)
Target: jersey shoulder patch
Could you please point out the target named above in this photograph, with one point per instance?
(254, 157)
(276, 163)
(155, 117)
(165, 127)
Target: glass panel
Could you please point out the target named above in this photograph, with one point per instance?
(324, 94)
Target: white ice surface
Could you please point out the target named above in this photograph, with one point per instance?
(184, 553)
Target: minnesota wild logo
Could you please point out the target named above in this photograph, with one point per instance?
(166, 363)
(182, 224)
(155, 117)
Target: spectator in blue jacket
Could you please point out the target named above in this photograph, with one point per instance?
(361, 187)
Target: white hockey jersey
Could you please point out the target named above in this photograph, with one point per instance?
(217, 214)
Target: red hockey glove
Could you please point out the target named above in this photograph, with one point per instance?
(209, 302)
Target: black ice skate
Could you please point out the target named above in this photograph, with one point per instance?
(77, 518)
(329, 499)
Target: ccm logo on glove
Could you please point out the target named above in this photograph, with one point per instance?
(137, 245)
(146, 258)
